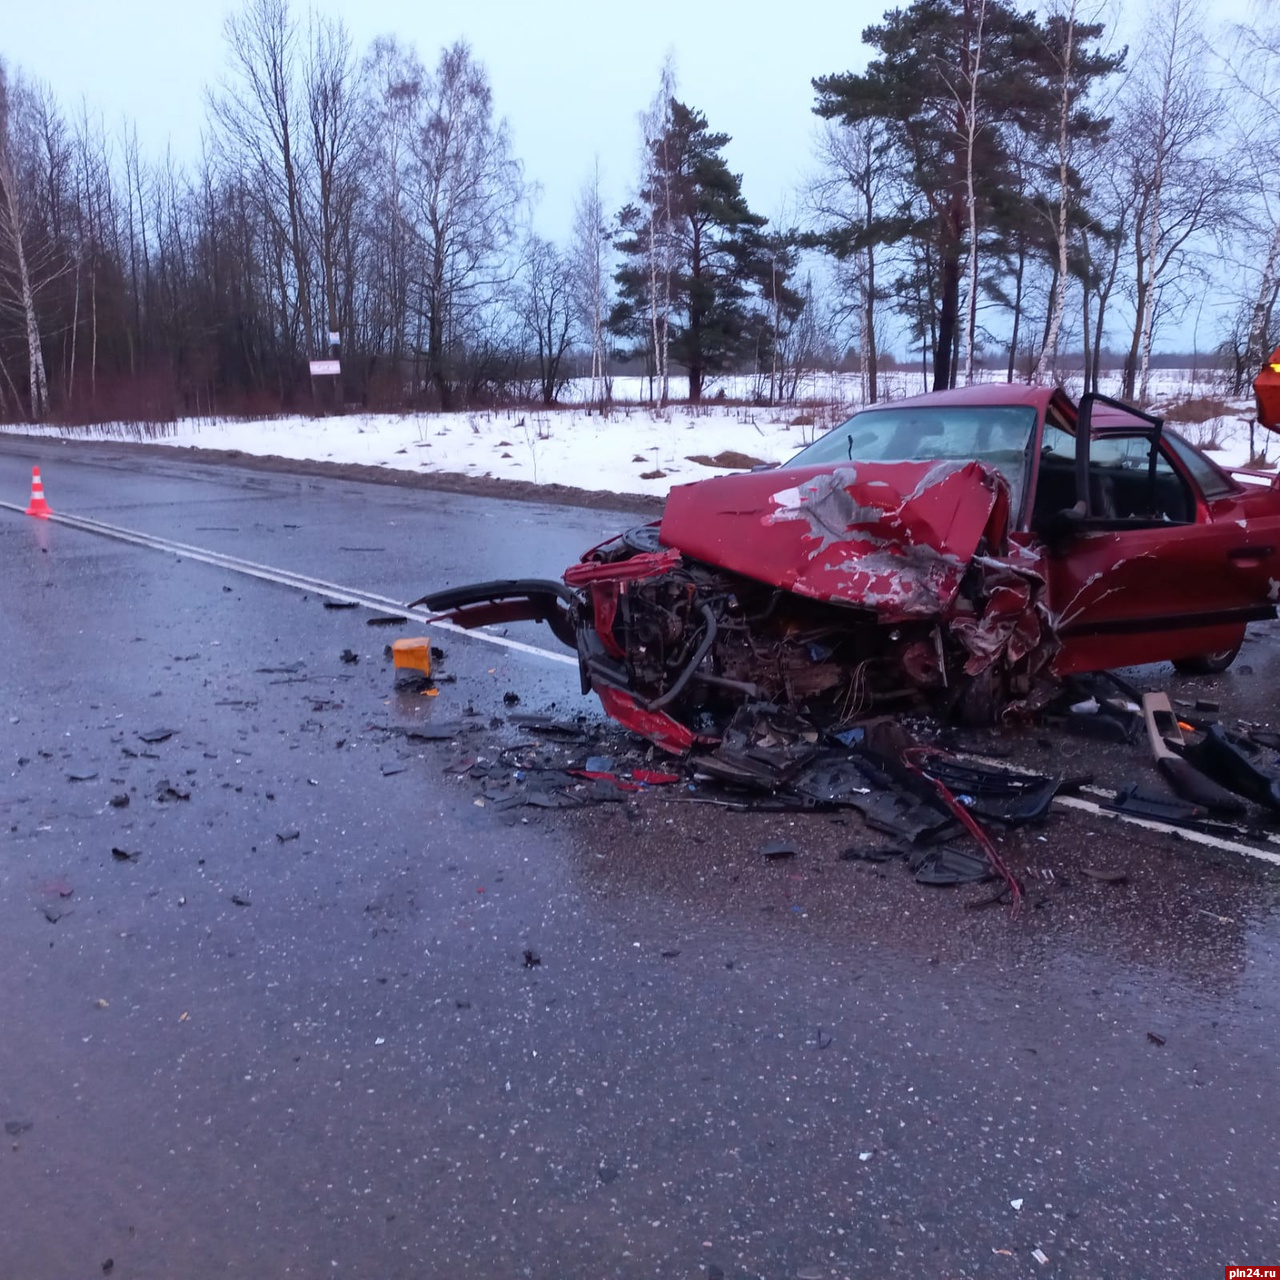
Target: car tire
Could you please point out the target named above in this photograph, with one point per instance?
(1206, 664)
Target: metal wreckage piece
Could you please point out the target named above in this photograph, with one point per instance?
(870, 586)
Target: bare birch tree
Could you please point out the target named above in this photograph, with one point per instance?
(547, 310)
(970, 127)
(464, 195)
(394, 78)
(14, 229)
(590, 265)
(656, 176)
(255, 114)
(1180, 190)
(334, 135)
(1255, 77)
(1063, 148)
(846, 203)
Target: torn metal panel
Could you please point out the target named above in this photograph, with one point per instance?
(657, 726)
(892, 537)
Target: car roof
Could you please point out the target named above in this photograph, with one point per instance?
(980, 393)
(1104, 418)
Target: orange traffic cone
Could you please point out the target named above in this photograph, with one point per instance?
(39, 507)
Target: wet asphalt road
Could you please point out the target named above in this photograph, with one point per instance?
(250, 1052)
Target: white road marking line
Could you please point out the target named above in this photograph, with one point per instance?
(1149, 824)
(1187, 833)
(287, 578)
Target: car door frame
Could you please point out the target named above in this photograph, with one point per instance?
(1100, 567)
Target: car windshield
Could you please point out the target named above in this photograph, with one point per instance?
(996, 434)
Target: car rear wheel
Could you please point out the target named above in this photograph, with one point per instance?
(1206, 664)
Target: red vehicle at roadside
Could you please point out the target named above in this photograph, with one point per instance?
(1266, 390)
(962, 550)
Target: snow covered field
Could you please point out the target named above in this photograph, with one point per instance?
(632, 449)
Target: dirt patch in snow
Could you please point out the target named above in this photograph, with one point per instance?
(730, 459)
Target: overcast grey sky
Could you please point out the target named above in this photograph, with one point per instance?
(570, 76)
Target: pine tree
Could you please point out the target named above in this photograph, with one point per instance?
(692, 217)
(952, 76)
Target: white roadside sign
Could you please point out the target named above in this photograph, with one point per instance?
(326, 368)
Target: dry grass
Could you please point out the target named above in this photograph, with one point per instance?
(1195, 409)
(730, 459)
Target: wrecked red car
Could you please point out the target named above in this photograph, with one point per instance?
(961, 551)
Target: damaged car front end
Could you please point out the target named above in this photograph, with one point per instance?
(897, 563)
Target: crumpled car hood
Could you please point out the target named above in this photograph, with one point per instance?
(895, 537)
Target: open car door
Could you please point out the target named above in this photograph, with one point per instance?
(1145, 568)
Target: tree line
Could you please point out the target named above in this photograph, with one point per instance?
(997, 183)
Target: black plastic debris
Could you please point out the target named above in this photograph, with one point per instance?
(120, 801)
(292, 669)
(125, 855)
(169, 791)
(285, 836)
(350, 657)
(390, 768)
(832, 780)
(1200, 790)
(1138, 803)
(153, 736)
(995, 795)
(547, 727)
(445, 731)
(16, 1128)
(81, 775)
(1238, 764)
(904, 817)
(763, 746)
(386, 620)
(1100, 706)
(877, 853)
(1105, 725)
(949, 866)
(240, 900)
(1104, 876)
(531, 959)
(511, 698)
(776, 850)
(340, 604)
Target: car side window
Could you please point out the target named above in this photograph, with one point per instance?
(1056, 477)
(1213, 482)
(1120, 483)
(1121, 486)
